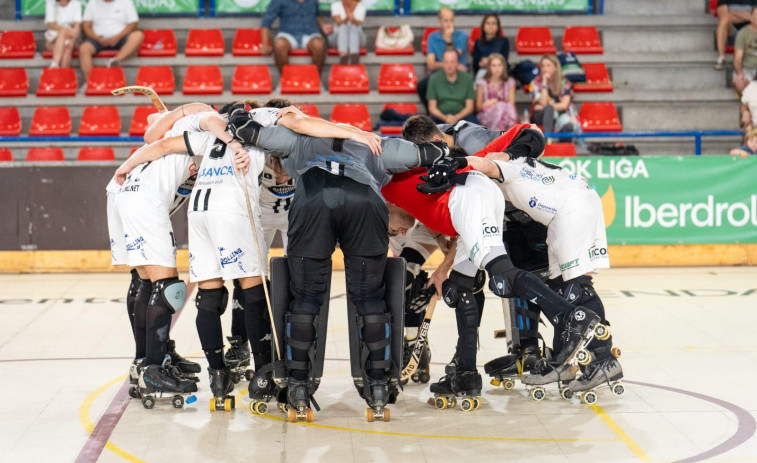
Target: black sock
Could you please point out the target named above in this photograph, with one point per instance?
(238, 327)
(256, 319)
(140, 317)
(209, 328)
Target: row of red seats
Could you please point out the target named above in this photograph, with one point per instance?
(209, 42)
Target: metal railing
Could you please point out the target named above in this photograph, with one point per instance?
(697, 135)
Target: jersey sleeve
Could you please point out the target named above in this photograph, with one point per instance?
(198, 143)
(279, 140)
(507, 171)
(500, 143)
(399, 155)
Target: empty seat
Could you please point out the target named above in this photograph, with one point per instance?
(102, 80)
(50, 121)
(138, 124)
(158, 42)
(300, 78)
(45, 154)
(475, 33)
(583, 39)
(204, 42)
(203, 80)
(58, 82)
(424, 41)
(13, 82)
(534, 41)
(599, 117)
(5, 155)
(597, 79)
(96, 154)
(356, 115)
(10, 122)
(409, 50)
(335, 51)
(17, 44)
(348, 78)
(560, 149)
(246, 42)
(99, 121)
(160, 78)
(310, 110)
(254, 79)
(402, 108)
(397, 78)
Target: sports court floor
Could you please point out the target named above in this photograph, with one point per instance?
(689, 355)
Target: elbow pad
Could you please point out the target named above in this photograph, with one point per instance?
(529, 143)
(243, 128)
(432, 152)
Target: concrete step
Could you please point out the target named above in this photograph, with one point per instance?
(654, 7)
(680, 115)
(658, 41)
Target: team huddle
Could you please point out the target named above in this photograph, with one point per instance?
(496, 212)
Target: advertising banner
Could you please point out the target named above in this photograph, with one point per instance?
(502, 6)
(259, 6)
(37, 7)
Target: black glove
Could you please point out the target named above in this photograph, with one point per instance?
(443, 175)
(417, 296)
(432, 151)
(529, 143)
(242, 127)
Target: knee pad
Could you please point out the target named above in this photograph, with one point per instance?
(479, 281)
(502, 276)
(580, 291)
(170, 293)
(133, 285)
(376, 335)
(454, 286)
(301, 333)
(212, 300)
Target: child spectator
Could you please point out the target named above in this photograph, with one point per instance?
(749, 147)
(490, 41)
(63, 19)
(348, 36)
(552, 99)
(495, 96)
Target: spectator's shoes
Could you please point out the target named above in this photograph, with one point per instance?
(720, 63)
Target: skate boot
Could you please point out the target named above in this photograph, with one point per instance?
(505, 370)
(187, 368)
(298, 396)
(377, 397)
(604, 370)
(452, 365)
(465, 384)
(579, 327)
(545, 373)
(262, 389)
(135, 369)
(237, 357)
(221, 386)
(157, 379)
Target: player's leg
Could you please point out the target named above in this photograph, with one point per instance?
(238, 354)
(282, 45)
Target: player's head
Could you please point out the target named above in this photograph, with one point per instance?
(278, 103)
(399, 220)
(242, 104)
(420, 129)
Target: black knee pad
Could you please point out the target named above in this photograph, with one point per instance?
(300, 332)
(257, 321)
(502, 276)
(453, 286)
(212, 300)
(479, 281)
(580, 291)
(308, 282)
(376, 336)
(170, 293)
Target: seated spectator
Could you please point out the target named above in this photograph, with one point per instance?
(299, 27)
(438, 41)
(730, 13)
(749, 147)
(109, 25)
(745, 54)
(552, 99)
(348, 34)
(450, 92)
(495, 96)
(491, 41)
(748, 106)
(63, 19)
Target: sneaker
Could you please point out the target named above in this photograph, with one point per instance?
(719, 63)
(113, 63)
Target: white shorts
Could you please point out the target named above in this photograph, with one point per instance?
(477, 210)
(271, 223)
(576, 237)
(221, 246)
(417, 238)
(148, 232)
(116, 233)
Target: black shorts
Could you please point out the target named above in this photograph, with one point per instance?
(737, 2)
(100, 47)
(328, 209)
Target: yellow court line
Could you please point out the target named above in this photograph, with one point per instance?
(625, 438)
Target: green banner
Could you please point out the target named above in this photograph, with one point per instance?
(37, 7)
(673, 199)
(500, 5)
(259, 6)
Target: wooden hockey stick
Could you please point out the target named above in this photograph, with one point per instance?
(146, 91)
(420, 341)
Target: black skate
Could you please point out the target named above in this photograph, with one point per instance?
(221, 386)
(377, 396)
(299, 397)
(156, 379)
(186, 367)
(422, 373)
(580, 326)
(505, 370)
(605, 370)
(465, 384)
(262, 389)
(135, 369)
(451, 367)
(238, 358)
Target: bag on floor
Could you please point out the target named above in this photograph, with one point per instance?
(394, 37)
(571, 68)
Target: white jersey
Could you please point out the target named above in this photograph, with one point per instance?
(274, 197)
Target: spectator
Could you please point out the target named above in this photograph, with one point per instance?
(63, 19)
(730, 13)
(490, 41)
(745, 54)
(748, 106)
(749, 147)
(109, 25)
(438, 42)
(552, 98)
(348, 36)
(450, 93)
(299, 27)
(495, 96)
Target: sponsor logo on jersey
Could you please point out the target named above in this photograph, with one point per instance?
(530, 174)
(130, 188)
(234, 257)
(282, 191)
(191, 267)
(596, 252)
(474, 250)
(216, 171)
(534, 203)
(548, 180)
(568, 265)
(136, 245)
(489, 229)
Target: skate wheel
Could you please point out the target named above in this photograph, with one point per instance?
(415, 378)
(618, 389)
(566, 394)
(387, 415)
(228, 404)
(177, 401)
(425, 378)
(292, 415)
(148, 402)
(212, 404)
(309, 415)
(589, 398)
(133, 392)
(284, 407)
(509, 384)
(441, 403)
(602, 332)
(615, 351)
(476, 404)
(538, 393)
(583, 357)
(495, 382)
(452, 402)
(369, 416)
(468, 405)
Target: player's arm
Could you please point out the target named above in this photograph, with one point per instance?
(401, 155)
(150, 153)
(442, 271)
(485, 166)
(163, 124)
(523, 140)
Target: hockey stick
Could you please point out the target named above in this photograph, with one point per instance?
(420, 342)
(146, 91)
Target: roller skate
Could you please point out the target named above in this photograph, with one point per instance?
(377, 397)
(238, 358)
(505, 370)
(547, 373)
(605, 370)
(157, 379)
(464, 384)
(451, 367)
(221, 386)
(422, 373)
(580, 326)
(134, 370)
(262, 389)
(187, 368)
(298, 396)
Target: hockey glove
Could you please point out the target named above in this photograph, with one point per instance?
(416, 293)
(432, 152)
(242, 127)
(443, 175)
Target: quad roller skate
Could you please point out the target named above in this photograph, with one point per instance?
(221, 387)
(545, 373)
(263, 389)
(299, 398)
(158, 380)
(505, 370)
(461, 384)
(422, 373)
(186, 368)
(378, 397)
(599, 373)
(238, 358)
(580, 327)
(134, 370)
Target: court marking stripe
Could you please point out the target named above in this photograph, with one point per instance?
(622, 435)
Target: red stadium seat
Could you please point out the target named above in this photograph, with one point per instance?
(50, 121)
(402, 108)
(335, 51)
(203, 80)
(246, 42)
(475, 33)
(354, 114)
(17, 44)
(583, 40)
(58, 82)
(204, 42)
(534, 41)
(299, 52)
(599, 117)
(348, 78)
(138, 124)
(44, 154)
(10, 122)
(255, 79)
(13, 82)
(96, 154)
(160, 78)
(714, 8)
(310, 110)
(300, 78)
(102, 80)
(158, 42)
(5, 155)
(424, 41)
(409, 50)
(560, 149)
(100, 121)
(397, 78)
(597, 79)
